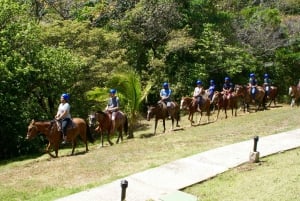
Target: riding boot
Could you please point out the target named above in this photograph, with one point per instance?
(198, 107)
(168, 113)
(64, 139)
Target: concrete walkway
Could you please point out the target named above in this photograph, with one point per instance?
(156, 183)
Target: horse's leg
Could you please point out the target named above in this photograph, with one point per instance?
(74, 143)
(55, 149)
(172, 125)
(164, 124)
(120, 136)
(108, 138)
(155, 125)
(201, 113)
(218, 113)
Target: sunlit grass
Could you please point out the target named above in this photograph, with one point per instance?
(45, 178)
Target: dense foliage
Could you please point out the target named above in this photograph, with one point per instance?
(83, 47)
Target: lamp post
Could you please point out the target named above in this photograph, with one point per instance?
(124, 185)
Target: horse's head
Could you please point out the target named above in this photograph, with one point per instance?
(216, 97)
(240, 90)
(292, 91)
(32, 130)
(185, 102)
(92, 120)
(150, 112)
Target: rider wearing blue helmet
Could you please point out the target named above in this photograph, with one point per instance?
(228, 88)
(113, 106)
(63, 114)
(165, 96)
(267, 84)
(211, 89)
(198, 92)
(252, 85)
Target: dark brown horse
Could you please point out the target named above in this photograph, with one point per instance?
(244, 93)
(105, 125)
(271, 97)
(294, 92)
(225, 102)
(190, 104)
(54, 136)
(160, 111)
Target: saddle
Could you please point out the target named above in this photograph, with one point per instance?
(70, 126)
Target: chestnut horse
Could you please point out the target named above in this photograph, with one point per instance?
(225, 102)
(294, 92)
(105, 125)
(160, 111)
(190, 104)
(273, 93)
(54, 136)
(243, 92)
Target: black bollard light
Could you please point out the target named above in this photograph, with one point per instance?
(255, 143)
(124, 185)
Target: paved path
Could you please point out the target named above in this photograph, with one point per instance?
(155, 183)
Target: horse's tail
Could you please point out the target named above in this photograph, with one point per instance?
(126, 125)
(89, 134)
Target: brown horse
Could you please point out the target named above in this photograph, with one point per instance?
(190, 104)
(160, 111)
(294, 92)
(273, 93)
(225, 102)
(54, 136)
(244, 93)
(105, 125)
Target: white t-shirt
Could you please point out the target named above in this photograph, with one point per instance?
(64, 107)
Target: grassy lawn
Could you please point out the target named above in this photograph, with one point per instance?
(275, 178)
(45, 178)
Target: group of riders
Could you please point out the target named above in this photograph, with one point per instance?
(227, 89)
(63, 115)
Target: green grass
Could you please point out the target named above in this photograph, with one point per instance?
(275, 178)
(45, 178)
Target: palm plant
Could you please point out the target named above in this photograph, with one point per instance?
(130, 91)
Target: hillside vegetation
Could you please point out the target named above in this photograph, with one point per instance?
(85, 47)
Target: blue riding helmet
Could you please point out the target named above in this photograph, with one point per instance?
(65, 96)
(266, 75)
(199, 82)
(212, 81)
(252, 75)
(227, 78)
(165, 84)
(112, 91)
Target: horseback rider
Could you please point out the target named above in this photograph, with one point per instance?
(267, 84)
(113, 107)
(165, 96)
(198, 92)
(63, 115)
(228, 88)
(211, 89)
(252, 85)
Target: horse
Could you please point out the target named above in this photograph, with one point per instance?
(54, 136)
(225, 102)
(273, 93)
(243, 92)
(160, 111)
(294, 92)
(105, 125)
(92, 123)
(190, 104)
